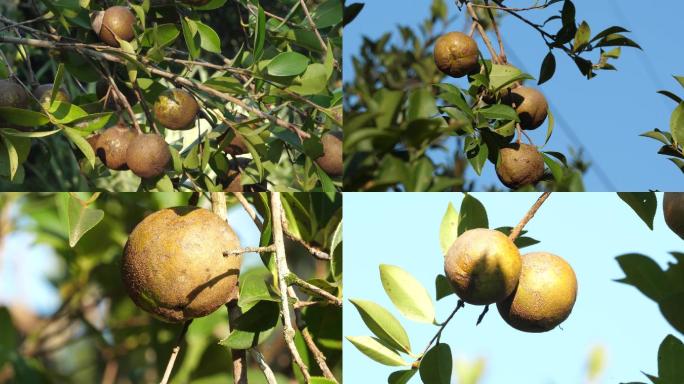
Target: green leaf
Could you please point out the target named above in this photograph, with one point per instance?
(23, 117)
(448, 230)
(80, 219)
(421, 104)
(644, 204)
(437, 365)
(581, 37)
(383, 324)
(644, 274)
(503, 75)
(442, 287)
(13, 157)
(259, 34)
(78, 140)
(670, 358)
(677, 124)
(8, 336)
(313, 81)
(57, 83)
(65, 113)
(209, 39)
(377, 351)
(192, 38)
(407, 294)
(336, 253)
(401, 377)
(548, 68)
(473, 215)
(555, 168)
(321, 380)
(254, 326)
(288, 64)
(498, 112)
(328, 14)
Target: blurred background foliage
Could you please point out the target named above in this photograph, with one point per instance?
(97, 334)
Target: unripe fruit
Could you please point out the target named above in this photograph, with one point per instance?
(483, 266)
(115, 20)
(15, 96)
(148, 155)
(173, 264)
(456, 54)
(176, 109)
(545, 294)
(530, 104)
(673, 210)
(331, 161)
(520, 165)
(112, 146)
(44, 94)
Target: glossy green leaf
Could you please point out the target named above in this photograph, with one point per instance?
(670, 358)
(643, 273)
(677, 124)
(383, 324)
(473, 215)
(288, 64)
(644, 204)
(437, 365)
(448, 230)
(253, 327)
(377, 351)
(407, 293)
(23, 117)
(80, 219)
(401, 377)
(209, 39)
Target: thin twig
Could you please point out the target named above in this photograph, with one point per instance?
(268, 372)
(324, 47)
(174, 353)
(502, 53)
(442, 326)
(283, 272)
(240, 251)
(530, 214)
(295, 280)
(483, 33)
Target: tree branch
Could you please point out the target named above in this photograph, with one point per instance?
(530, 214)
(283, 271)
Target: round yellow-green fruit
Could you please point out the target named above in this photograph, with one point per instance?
(483, 266)
(673, 210)
(173, 264)
(530, 104)
(545, 294)
(176, 109)
(520, 165)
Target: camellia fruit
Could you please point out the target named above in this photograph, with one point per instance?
(483, 266)
(456, 54)
(173, 264)
(519, 165)
(530, 104)
(673, 210)
(148, 155)
(331, 160)
(545, 294)
(115, 21)
(176, 109)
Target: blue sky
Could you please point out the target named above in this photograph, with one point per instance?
(609, 112)
(589, 230)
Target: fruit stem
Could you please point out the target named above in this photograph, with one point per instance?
(483, 33)
(528, 216)
(443, 325)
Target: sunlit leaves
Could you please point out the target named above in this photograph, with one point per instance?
(644, 204)
(407, 294)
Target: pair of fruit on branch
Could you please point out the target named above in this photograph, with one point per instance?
(15, 96)
(457, 55)
(533, 292)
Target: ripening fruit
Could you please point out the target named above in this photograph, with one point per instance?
(148, 155)
(483, 266)
(13, 95)
(112, 146)
(176, 109)
(43, 93)
(116, 20)
(173, 264)
(331, 160)
(545, 294)
(520, 165)
(456, 54)
(673, 210)
(530, 104)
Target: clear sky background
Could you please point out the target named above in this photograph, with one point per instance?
(589, 230)
(608, 113)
